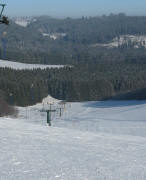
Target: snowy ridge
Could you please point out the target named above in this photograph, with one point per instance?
(45, 104)
(23, 66)
(90, 141)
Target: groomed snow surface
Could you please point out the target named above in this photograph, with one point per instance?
(90, 141)
(23, 66)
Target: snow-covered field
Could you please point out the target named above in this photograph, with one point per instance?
(90, 141)
(21, 66)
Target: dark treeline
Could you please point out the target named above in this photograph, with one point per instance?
(79, 83)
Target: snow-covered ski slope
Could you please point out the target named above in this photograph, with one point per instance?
(90, 141)
(23, 66)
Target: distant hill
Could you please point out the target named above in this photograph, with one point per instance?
(48, 40)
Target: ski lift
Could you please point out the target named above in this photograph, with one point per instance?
(3, 19)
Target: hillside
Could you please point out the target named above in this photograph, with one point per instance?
(92, 140)
(107, 53)
(46, 40)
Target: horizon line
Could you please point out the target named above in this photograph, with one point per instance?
(75, 16)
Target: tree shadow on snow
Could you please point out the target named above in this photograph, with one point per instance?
(115, 103)
(132, 98)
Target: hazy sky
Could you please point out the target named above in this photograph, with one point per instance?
(75, 8)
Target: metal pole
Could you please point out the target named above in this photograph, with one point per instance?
(11, 98)
(31, 91)
(3, 6)
(60, 112)
(49, 118)
(4, 41)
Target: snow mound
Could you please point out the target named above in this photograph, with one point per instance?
(50, 100)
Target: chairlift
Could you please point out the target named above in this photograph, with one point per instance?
(3, 19)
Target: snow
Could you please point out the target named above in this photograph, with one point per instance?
(23, 21)
(23, 66)
(54, 36)
(90, 141)
(137, 40)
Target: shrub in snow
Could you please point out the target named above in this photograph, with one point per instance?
(6, 109)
